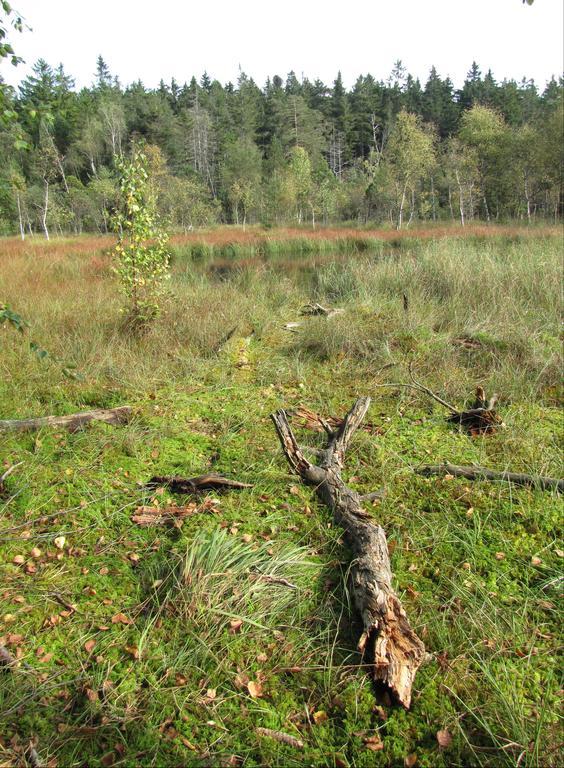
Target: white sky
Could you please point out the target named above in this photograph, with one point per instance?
(150, 39)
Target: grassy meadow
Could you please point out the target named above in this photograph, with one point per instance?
(170, 646)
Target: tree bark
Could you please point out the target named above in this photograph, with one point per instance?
(391, 646)
(71, 422)
(46, 206)
(400, 215)
(20, 219)
(482, 473)
(460, 197)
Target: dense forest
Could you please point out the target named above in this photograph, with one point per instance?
(292, 152)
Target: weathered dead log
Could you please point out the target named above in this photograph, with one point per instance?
(393, 650)
(72, 421)
(211, 482)
(482, 473)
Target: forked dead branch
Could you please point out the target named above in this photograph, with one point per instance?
(481, 419)
(393, 650)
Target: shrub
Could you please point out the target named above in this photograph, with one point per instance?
(142, 248)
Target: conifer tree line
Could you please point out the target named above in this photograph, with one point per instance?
(295, 152)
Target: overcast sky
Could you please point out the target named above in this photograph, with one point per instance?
(147, 40)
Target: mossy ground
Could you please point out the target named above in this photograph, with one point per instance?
(476, 564)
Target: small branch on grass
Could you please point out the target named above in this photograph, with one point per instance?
(273, 579)
(72, 422)
(414, 384)
(211, 482)
(482, 473)
(282, 738)
(60, 599)
(393, 649)
(9, 472)
(478, 420)
(6, 474)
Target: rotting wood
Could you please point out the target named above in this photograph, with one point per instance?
(211, 482)
(393, 650)
(170, 515)
(72, 421)
(483, 473)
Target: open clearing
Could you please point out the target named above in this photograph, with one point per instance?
(176, 644)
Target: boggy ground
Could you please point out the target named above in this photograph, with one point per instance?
(167, 646)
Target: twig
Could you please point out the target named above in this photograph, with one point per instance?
(283, 738)
(274, 579)
(416, 385)
(9, 472)
(60, 599)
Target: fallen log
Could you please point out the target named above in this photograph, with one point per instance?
(482, 473)
(72, 421)
(393, 650)
(211, 482)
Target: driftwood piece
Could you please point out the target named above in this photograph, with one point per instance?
(393, 650)
(71, 422)
(211, 482)
(482, 473)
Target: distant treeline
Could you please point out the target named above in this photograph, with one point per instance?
(294, 151)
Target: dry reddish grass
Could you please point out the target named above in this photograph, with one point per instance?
(58, 248)
(225, 235)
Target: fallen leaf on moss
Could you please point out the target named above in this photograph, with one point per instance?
(374, 743)
(254, 689)
(121, 618)
(444, 738)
